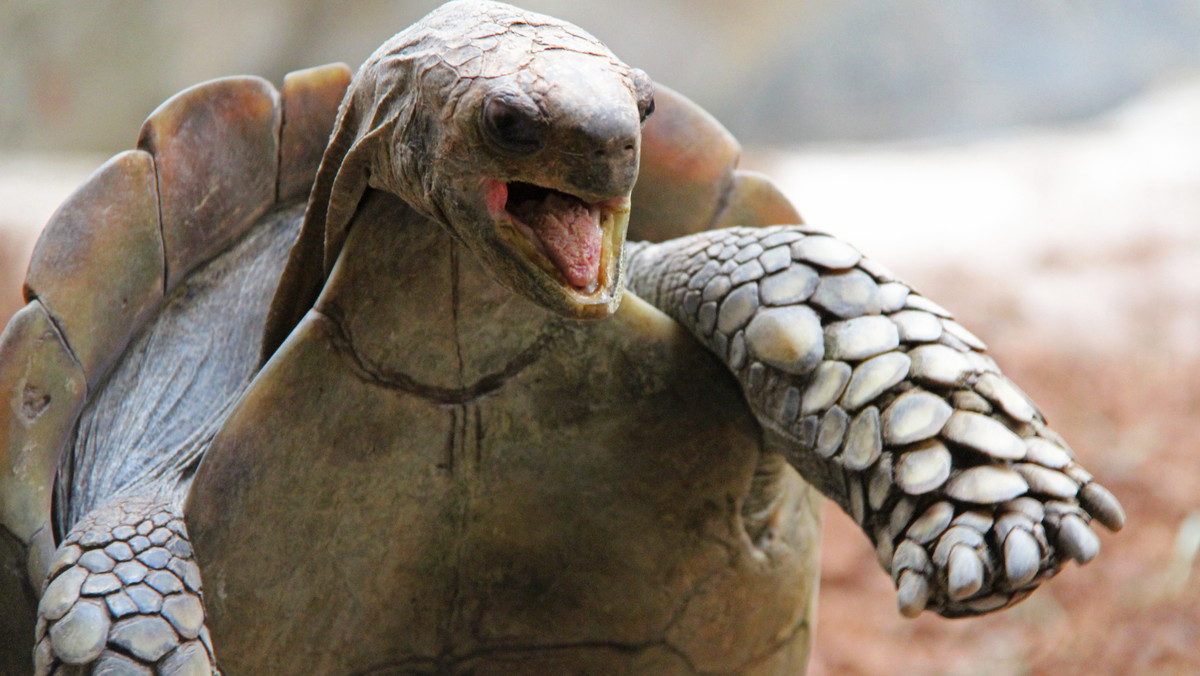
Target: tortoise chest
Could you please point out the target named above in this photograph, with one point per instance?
(454, 490)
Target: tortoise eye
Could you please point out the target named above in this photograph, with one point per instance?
(514, 125)
(646, 109)
(643, 88)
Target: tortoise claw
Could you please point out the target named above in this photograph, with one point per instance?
(1102, 505)
(912, 594)
(965, 577)
(1022, 557)
(1077, 540)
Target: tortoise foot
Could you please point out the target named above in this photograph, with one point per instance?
(888, 406)
(964, 559)
(122, 596)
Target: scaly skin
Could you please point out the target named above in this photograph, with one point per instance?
(890, 407)
(123, 594)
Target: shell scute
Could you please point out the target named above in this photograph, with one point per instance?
(43, 389)
(109, 223)
(310, 104)
(687, 166)
(216, 151)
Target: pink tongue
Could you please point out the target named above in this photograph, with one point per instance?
(570, 232)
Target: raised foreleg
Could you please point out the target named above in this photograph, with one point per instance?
(890, 407)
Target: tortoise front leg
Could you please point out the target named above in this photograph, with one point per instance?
(122, 596)
(889, 407)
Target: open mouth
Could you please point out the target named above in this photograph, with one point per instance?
(573, 240)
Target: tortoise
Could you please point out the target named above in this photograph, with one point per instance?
(364, 377)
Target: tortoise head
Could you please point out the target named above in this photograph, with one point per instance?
(517, 132)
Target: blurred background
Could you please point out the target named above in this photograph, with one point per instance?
(1033, 165)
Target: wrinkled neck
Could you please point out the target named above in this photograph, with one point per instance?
(416, 307)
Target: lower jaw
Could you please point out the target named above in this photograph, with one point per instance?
(551, 289)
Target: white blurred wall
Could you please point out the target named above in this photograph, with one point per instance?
(81, 76)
